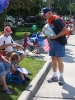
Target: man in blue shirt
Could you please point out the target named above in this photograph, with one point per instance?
(57, 44)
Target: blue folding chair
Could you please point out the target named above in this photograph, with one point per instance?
(13, 78)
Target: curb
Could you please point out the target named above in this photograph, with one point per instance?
(33, 87)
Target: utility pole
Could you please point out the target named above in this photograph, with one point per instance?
(70, 8)
(48, 3)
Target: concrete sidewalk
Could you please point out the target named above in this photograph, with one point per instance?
(40, 89)
(53, 91)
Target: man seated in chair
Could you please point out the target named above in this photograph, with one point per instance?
(7, 43)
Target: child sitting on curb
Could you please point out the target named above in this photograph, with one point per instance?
(16, 70)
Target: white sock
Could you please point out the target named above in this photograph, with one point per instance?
(55, 74)
(61, 74)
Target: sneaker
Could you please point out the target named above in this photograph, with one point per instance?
(27, 79)
(61, 81)
(53, 79)
(24, 81)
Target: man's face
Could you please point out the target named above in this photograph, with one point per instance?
(47, 15)
(6, 34)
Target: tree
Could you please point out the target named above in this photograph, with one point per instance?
(23, 7)
(62, 7)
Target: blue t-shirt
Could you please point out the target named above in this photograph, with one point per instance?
(57, 26)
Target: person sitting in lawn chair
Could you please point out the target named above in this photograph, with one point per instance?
(16, 70)
(31, 41)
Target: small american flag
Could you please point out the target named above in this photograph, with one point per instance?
(45, 45)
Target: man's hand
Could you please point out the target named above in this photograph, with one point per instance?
(10, 44)
(22, 48)
(53, 37)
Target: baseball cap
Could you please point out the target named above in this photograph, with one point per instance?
(45, 10)
(8, 30)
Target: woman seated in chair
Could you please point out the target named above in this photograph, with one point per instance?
(4, 69)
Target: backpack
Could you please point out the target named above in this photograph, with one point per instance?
(67, 32)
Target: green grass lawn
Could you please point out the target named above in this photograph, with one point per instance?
(27, 29)
(20, 32)
(31, 64)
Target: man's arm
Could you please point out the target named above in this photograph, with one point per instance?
(19, 46)
(59, 34)
(5, 45)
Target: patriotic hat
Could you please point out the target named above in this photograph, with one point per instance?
(8, 30)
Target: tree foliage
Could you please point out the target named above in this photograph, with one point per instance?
(62, 7)
(24, 7)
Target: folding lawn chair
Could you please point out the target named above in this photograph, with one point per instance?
(31, 42)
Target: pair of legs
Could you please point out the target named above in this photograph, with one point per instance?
(3, 82)
(57, 51)
(4, 69)
(57, 62)
(23, 76)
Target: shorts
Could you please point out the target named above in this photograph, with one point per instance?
(4, 68)
(19, 53)
(56, 49)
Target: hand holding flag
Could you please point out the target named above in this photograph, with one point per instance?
(44, 43)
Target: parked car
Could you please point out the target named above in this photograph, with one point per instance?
(31, 20)
(10, 21)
